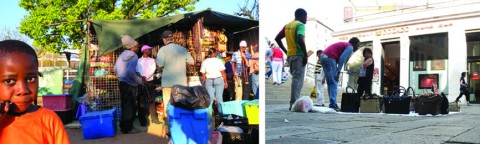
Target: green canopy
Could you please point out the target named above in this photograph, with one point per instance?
(109, 32)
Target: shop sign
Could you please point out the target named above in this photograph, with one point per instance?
(475, 76)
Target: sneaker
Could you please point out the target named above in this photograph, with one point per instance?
(274, 83)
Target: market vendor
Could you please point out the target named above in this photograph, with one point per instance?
(125, 68)
(240, 67)
(146, 101)
(173, 58)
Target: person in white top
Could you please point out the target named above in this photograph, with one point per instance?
(146, 104)
(214, 77)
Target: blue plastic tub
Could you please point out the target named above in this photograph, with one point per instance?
(99, 124)
(188, 126)
(234, 107)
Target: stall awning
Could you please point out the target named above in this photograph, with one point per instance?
(109, 32)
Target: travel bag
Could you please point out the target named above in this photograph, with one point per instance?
(398, 101)
(371, 104)
(350, 101)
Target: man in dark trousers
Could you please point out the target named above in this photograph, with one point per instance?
(294, 32)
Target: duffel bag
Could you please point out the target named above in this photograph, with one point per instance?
(429, 103)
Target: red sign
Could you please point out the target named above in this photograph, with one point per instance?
(475, 76)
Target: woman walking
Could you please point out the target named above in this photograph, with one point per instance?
(214, 76)
(277, 64)
(464, 89)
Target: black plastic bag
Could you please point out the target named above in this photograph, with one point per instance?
(190, 98)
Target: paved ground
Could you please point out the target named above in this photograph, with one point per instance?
(307, 128)
(315, 128)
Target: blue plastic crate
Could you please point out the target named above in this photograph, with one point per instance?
(99, 124)
(188, 126)
(234, 107)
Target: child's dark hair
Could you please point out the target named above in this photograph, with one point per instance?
(463, 74)
(211, 51)
(366, 50)
(319, 51)
(11, 46)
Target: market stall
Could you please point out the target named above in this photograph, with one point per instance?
(197, 31)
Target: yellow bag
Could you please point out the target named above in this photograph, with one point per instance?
(313, 94)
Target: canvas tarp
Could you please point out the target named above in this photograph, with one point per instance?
(109, 32)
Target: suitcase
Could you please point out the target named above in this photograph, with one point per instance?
(371, 104)
(429, 104)
(350, 101)
(398, 101)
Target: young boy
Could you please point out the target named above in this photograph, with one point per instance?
(319, 81)
(24, 122)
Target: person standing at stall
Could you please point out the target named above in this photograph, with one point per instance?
(332, 59)
(173, 58)
(254, 69)
(125, 67)
(366, 74)
(214, 77)
(297, 57)
(240, 68)
(229, 71)
(146, 102)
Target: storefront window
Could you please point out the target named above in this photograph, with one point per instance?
(428, 62)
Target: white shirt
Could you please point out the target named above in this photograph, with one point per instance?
(212, 67)
(146, 67)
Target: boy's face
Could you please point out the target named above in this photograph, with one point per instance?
(19, 80)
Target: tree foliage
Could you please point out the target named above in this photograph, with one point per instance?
(60, 24)
(249, 10)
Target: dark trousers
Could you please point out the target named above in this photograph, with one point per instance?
(229, 93)
(464, 92)
(364, 85)
(145, 105)
(128, 96)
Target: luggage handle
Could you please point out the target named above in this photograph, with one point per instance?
(367, 97)
(397, 90)
(408, 92)
(346, 89)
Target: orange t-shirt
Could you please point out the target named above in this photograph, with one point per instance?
(42, 126)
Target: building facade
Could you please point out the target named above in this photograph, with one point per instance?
(419, 48)
(317, 37)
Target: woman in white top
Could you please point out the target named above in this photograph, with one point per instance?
(214, 77)
(146, 68)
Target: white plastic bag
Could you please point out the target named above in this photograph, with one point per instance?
(324, 110)
(303, 104)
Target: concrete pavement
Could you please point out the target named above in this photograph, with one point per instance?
(463, 127)
(315, 128)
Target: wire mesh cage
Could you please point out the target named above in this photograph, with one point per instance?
(103, 86)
